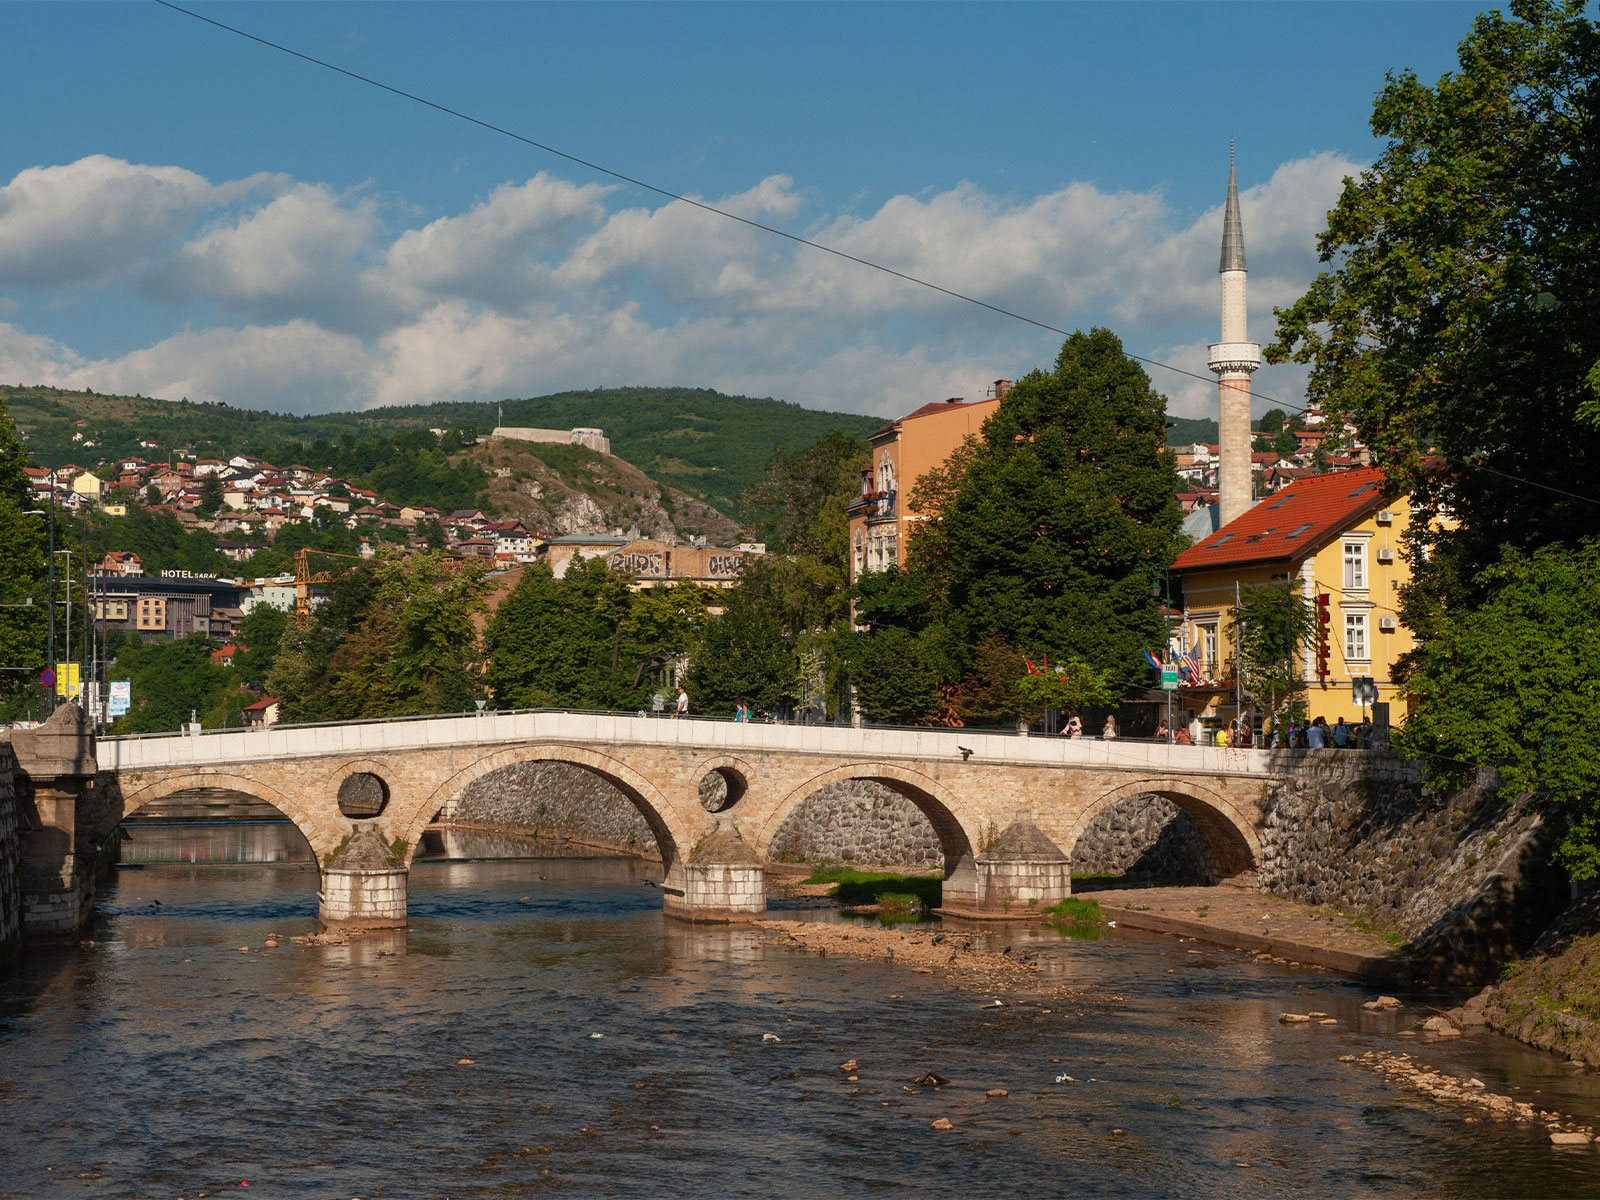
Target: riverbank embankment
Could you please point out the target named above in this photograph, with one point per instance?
(1268, 926)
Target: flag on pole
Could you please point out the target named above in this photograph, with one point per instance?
(1152, 659)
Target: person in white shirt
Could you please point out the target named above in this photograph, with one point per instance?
(683, 703)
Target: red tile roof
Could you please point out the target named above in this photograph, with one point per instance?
(1292, 523)
(938, 406)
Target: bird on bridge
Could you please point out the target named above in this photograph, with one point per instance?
(965, 753)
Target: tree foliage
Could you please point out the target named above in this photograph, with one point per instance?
(1040, 534)
(1461, 324)
(1511, 683)
(172, 680)
(1272, 628)
(396, 638)
(23, 550)
(587, 640)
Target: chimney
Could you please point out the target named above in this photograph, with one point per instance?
(1001, 387)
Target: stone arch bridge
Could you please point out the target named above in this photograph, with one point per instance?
(1008, 810)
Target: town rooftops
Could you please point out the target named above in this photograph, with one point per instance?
(1292, 523)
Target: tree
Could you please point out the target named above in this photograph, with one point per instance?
(1047, 536)
(800, 506)
(1461, 327)
(1066, 687)
(743, 655)
(1511, 682)
(259, 636)
(211, 500)
(396, 638)
(563, 642)
(895, 682)
(22, 579)
(1272, 627)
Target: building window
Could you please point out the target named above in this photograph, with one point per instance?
(1210, 668)
(1355, 565)
(1355, 637)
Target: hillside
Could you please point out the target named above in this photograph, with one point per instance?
(572, 489)
(701, 442)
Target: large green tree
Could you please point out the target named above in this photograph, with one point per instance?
(1459, 323)
(1511, 682)
(398, 638)
(1046, 538)
(1459, 328)
(23, 550)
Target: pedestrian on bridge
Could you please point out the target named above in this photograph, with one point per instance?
(683, 703)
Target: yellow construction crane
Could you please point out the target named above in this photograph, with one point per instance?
(303, 578)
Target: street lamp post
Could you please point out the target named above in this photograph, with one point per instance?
(1160, 580)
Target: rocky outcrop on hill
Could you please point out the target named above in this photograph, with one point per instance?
(572, 489)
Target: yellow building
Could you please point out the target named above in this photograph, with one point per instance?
(1335, 540)
(903, 451)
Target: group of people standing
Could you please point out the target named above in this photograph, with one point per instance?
(1073, 727)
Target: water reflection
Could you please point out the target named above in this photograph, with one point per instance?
(166, 1061)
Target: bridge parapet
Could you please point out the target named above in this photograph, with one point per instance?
(151, 752)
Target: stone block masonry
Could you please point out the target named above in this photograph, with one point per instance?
(10, 856)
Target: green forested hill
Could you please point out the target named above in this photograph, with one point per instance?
(700, 441)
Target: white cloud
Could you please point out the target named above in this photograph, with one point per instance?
(91, 219)
(277, 260)
(542, 285)
(495, 252)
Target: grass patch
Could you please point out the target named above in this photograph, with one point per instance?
(881, 888)
(1075, 908)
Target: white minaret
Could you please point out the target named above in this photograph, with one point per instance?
(1233, 358)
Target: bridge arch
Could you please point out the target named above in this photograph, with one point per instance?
(672, 830)
(932, 798)
(187, 781)
(1230, 834)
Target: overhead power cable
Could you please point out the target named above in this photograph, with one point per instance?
(679, 197)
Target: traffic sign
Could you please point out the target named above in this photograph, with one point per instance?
(1169, 677)
(47, 677)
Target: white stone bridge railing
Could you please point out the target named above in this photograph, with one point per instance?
(148, 752)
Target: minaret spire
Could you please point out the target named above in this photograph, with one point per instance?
(1233, 359)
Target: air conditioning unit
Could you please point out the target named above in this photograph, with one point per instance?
(1384, 517)
(1385, 554)
(1386, 624)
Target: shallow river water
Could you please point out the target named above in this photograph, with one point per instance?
(616, 1053)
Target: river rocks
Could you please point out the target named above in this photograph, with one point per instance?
(943, 1125)
(1293, 1019)
(1404, 1071)
(1570, 1138)
(997, 1093)
(1440, 1026)
(1381, 1004)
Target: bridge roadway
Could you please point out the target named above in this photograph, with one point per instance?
(1008, 810)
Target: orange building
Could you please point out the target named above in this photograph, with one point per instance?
(903, 451)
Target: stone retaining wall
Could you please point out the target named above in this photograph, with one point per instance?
(10, 856)
(559, 800)
(858, 821)
(1465, 878)
(1145, 835)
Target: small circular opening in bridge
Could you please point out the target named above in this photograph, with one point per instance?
(363, 795)
(720, 789)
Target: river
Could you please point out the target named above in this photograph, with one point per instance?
(614, 1053)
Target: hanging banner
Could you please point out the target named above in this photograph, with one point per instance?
(119, 697)
(68, 680)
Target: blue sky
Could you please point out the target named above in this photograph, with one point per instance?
(186, 213)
